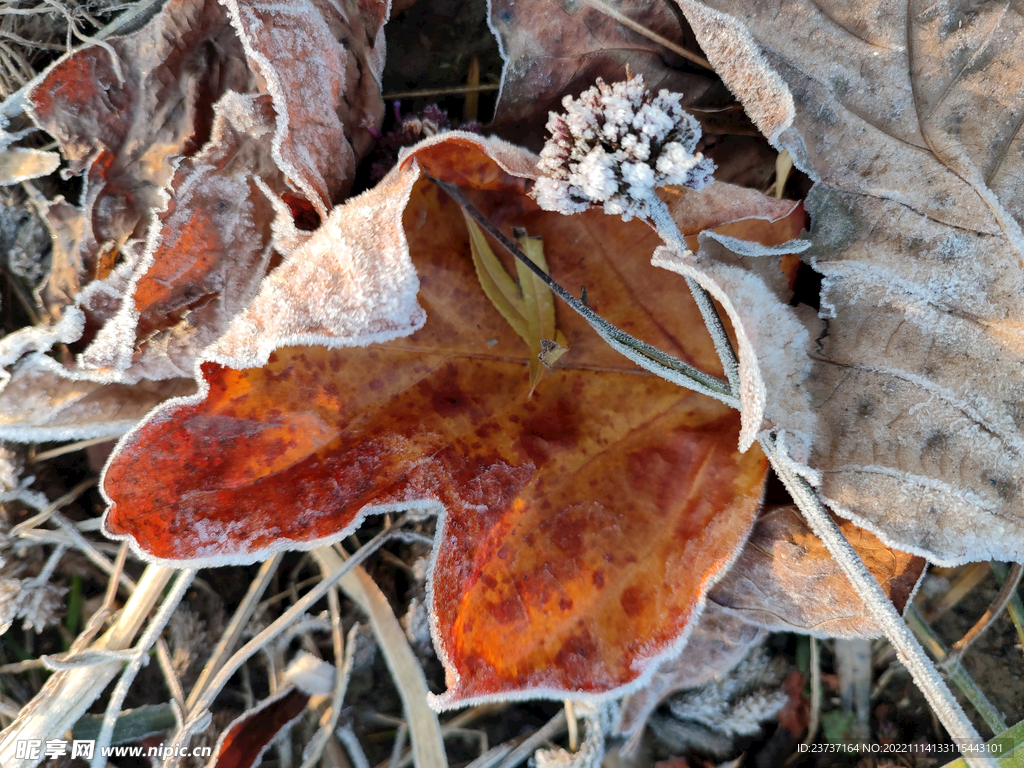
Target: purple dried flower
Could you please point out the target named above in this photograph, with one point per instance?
(615, 145)
(410, 130)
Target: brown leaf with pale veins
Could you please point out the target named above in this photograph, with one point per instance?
(908, 117)
(785, 579)
(125, 134)
(553, 48)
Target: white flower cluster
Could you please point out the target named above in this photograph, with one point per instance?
(615, 145)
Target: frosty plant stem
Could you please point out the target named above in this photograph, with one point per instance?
(669, 232)
(908, 649)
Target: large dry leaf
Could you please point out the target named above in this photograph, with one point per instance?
(125, 133)
(553, 48)
(580, 526)
(907, 116)
(215, 183)
(785, 579)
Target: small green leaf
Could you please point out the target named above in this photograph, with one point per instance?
(498, 286)
(132, 724)
(529, 306)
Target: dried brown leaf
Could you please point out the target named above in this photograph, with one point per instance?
(124, 133)
(908, 118)
(39, 404)
(556, 48)
(206, 255)
(786, 581)
(321, 62)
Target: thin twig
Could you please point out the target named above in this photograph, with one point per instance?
(355, 750)
(35, 458)
(649, 34)
(815, 715)
(967, 579)
(229, 637)
(156, 626)
(1015, 608)
(21, 528)
(428, 93)
(908, 649)
(67, 695)
(163, 657)
(957, 675)
(551, 730)
(424, 729)
(1009, 589)
(662, 219)
(199, 711)
(93, 554)
(343, 654)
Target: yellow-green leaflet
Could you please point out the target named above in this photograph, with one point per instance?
(528, 306)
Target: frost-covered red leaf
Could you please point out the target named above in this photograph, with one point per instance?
(912, 133)
(248, 736)
(786, 580)
(206, 254)
(580, 526)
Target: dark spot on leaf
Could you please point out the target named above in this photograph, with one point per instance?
(632, 601)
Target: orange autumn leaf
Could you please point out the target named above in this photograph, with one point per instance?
(580, 527)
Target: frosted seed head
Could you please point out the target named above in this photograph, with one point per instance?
(615, 145)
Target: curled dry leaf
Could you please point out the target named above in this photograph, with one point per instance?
(785, 579)
(553, 48)
(214, 156)
(913, 140)
(321, 63)
(38, 404)
(21, 163)
(123, 122)
(206, 254)
(580, 528)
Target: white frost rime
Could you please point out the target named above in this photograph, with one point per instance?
(615, 145)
